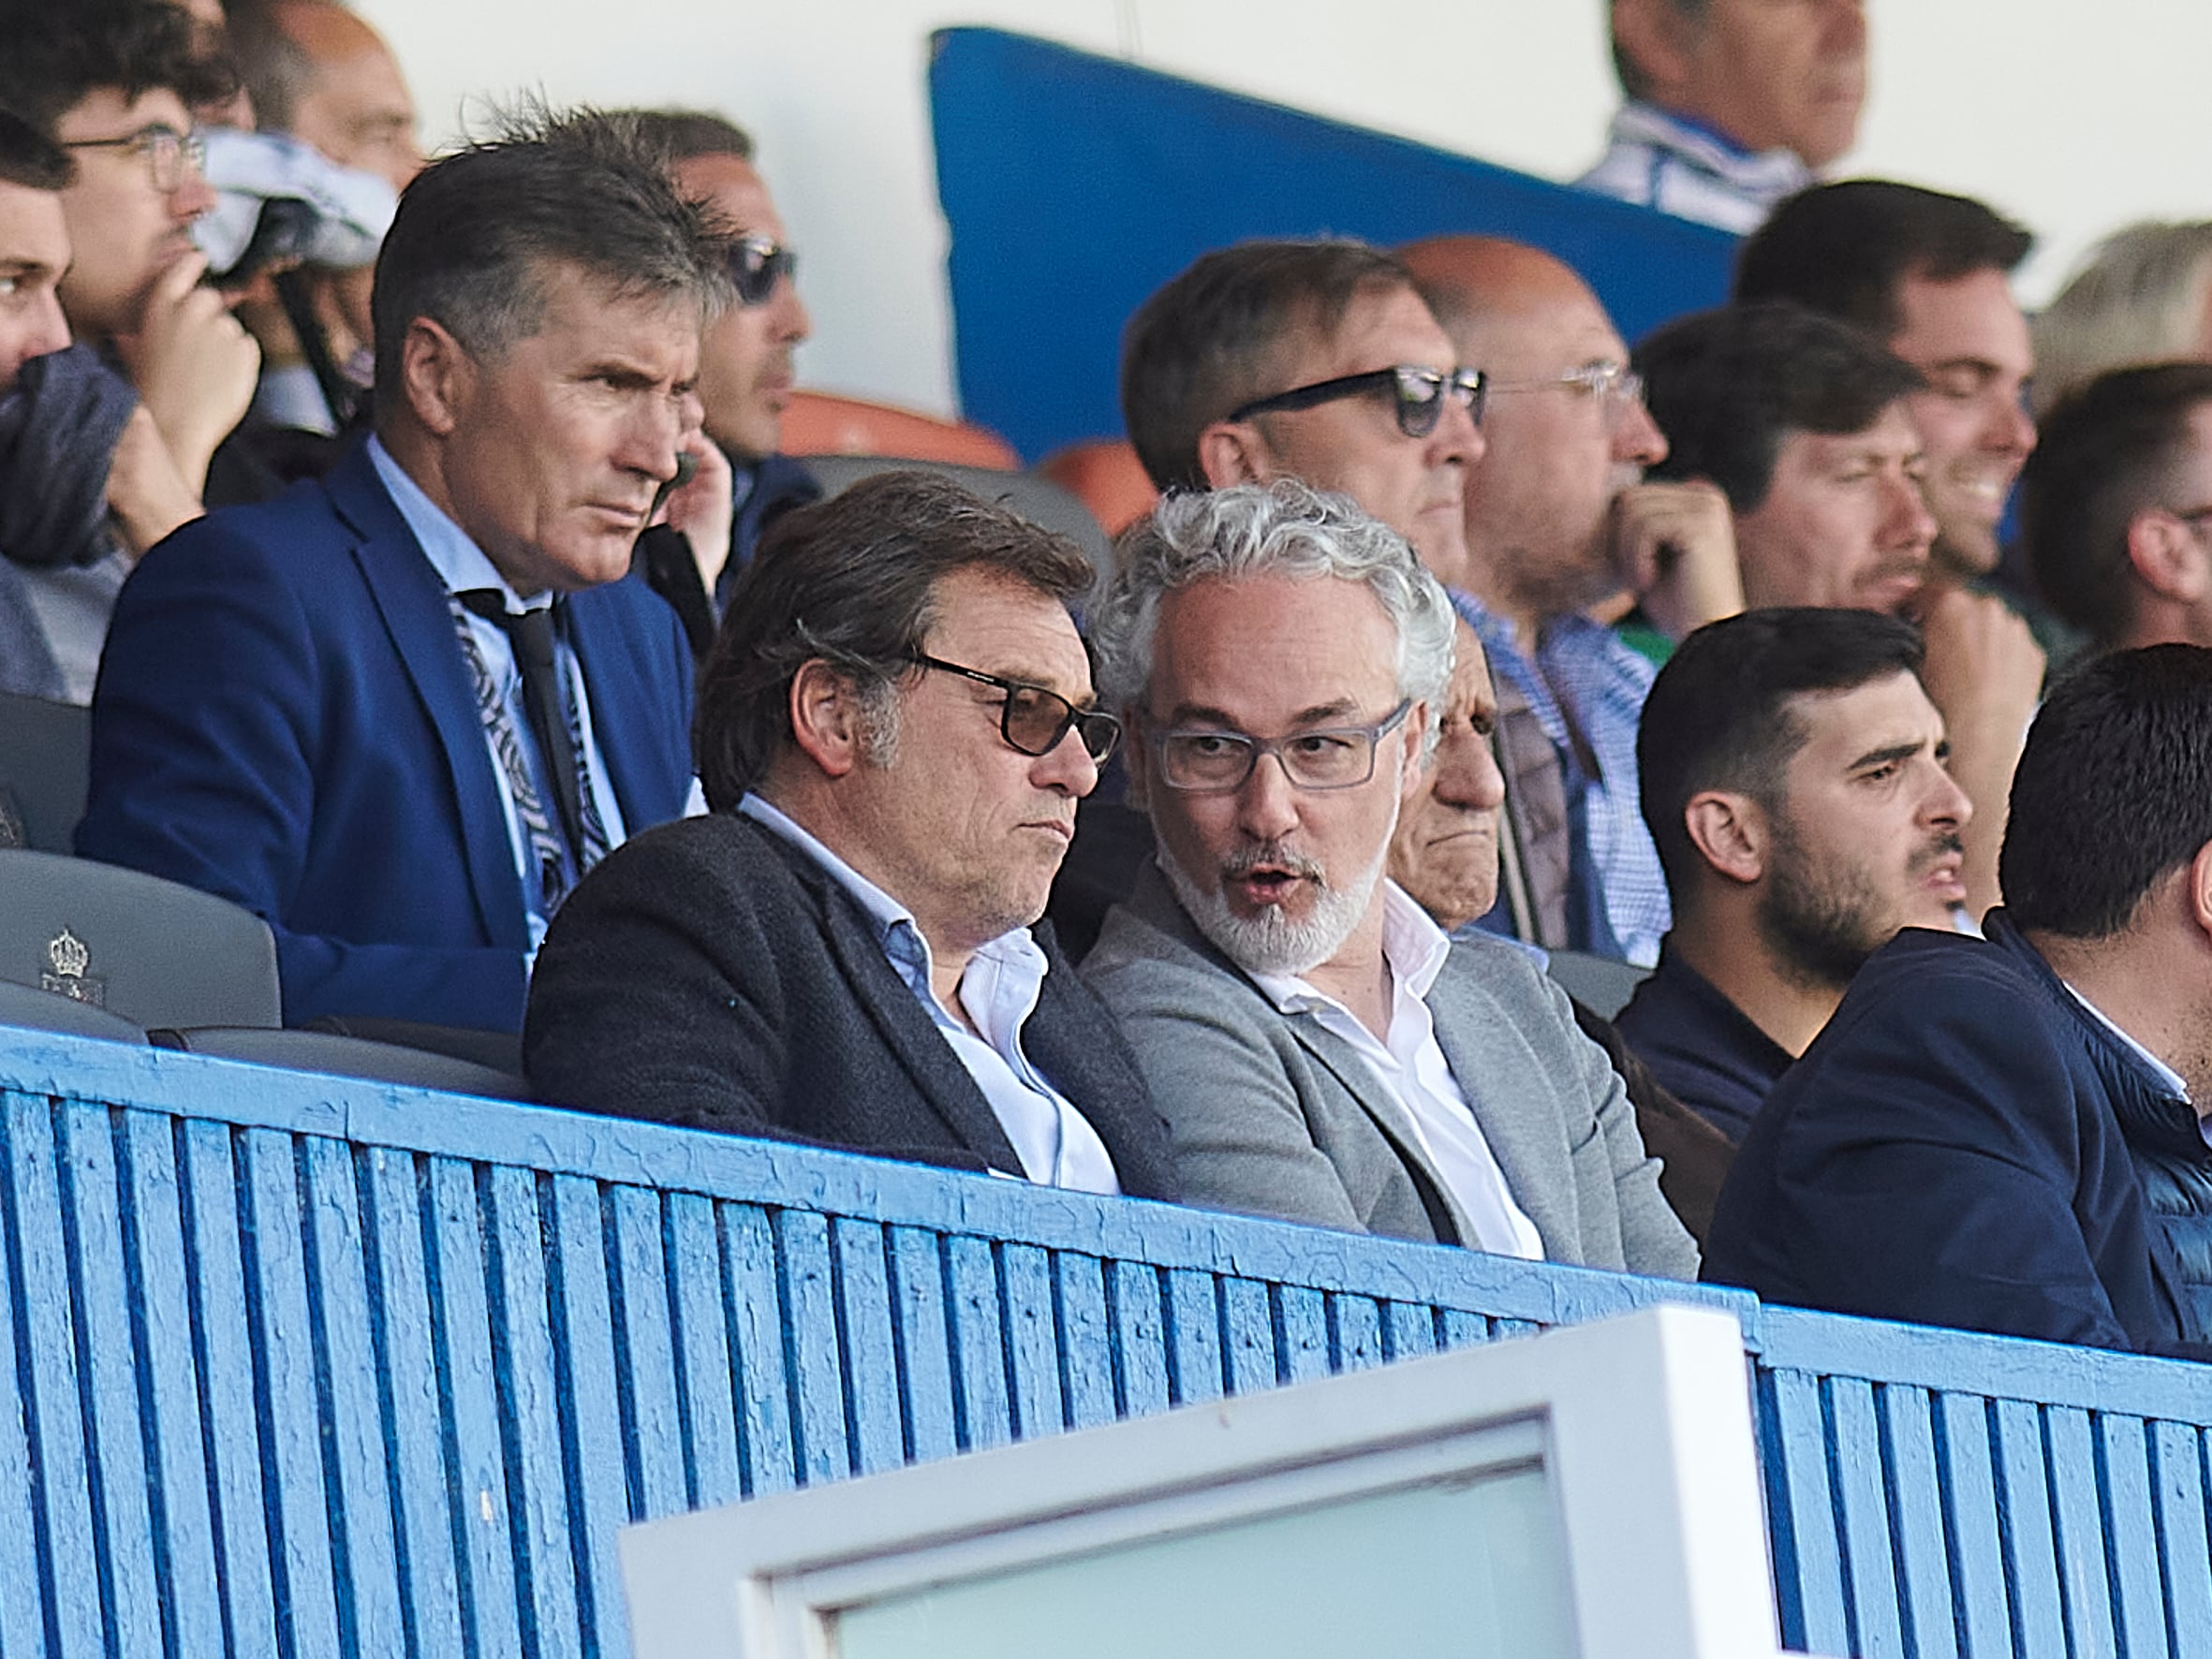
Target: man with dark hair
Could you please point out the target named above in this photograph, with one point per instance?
(108, 442)
(893, 730)
(398, 713)
(745, 375)
(1561, 521)
(1794, 778)
(1970, 1139)
(1316, 361)
(2116, 505)
(1926, 274)
(1321, 1050)
(1806, 422)
(1732, 104)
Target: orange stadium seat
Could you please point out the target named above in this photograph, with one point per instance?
(1105, 475)
(822, 423)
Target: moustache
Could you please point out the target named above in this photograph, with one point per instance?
(1946, 846)
(1274, 857)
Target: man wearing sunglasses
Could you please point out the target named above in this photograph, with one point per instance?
(893, 730)
(746, 373)
(1321, 1050)
(1314, 361)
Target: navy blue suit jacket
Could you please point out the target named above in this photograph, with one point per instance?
(1947, 1152)
(284, 718)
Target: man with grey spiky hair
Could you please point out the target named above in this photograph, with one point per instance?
(1320, 1049)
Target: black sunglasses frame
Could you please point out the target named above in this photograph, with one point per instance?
(1417, 416)
(1097, 730)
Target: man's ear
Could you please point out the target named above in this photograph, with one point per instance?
(436, 372)
(1234, 452)
(1656, 37)
(1730, 832)
(826, 717)
(1410, 767)
(2200, 890)
(2167, 558)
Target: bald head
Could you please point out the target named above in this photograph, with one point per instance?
(323, 75)
(1560, 447)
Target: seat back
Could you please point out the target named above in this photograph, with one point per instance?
(158, 953)
(45, 760)
(1600, 983)
(1107, 478)
(820, 424)
(347, 1057)
(30, 1008)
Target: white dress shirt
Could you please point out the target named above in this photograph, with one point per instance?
(1411, 1068)
(461, 565)
(998, 991)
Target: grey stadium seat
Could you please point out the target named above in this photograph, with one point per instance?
(1599, 983)
(45, 759)
(28, 1006)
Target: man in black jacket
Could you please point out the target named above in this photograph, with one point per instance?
(893, 730)
(1967, 1141)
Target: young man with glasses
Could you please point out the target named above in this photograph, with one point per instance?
(1321, 1050)
(893, 730)
(1559, 523)
(746, 370)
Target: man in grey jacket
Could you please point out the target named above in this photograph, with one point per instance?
(1320, 1050)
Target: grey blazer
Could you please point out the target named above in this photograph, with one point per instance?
(1272, 1115)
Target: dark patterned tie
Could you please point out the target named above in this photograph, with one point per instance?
(530, 633)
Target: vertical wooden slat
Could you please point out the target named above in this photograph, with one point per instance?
(643, 1329)
(291, 1416)
(1355, 1324)
(1136, 1300)
(925, 1342)
(870, 1353)
(979, 1344)
(102, 1295)
(2178, 1493)
(1248, 1318)
(705, 1361)
(1462, 1329)
(1801, 1513)
(1305, 1315)
(1856, 1468)
(402, 1321)
(59, 1459)
(2080, 1520)
(24, 1584)
(2024, 1510)
(599, 1468)
(229, 1396)
(2132, 1545)
(1408, 1330)
(755, 1317)
(1915, 1487)
(532, 1406)
(1032, 1339)
(1194, 1336)
(810, 1340)
(1981, 1603)
(490, 1552)
(1087, 1339)
(365, 1562)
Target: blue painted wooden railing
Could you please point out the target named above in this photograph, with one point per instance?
(298, 1366)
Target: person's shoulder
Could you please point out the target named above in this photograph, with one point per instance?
(1502, 972)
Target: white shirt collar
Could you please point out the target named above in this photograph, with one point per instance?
(2166, 1074)
(1413, 948)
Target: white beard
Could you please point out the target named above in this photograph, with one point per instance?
(1271, 943)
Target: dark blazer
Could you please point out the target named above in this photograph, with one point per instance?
(284, 718)
(1947, 1152)
(711, 974)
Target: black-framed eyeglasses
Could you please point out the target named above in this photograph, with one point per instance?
(1615, 385)
(1034, 720)
(1417, 395)
(757, 264)
(166, 151)
(1200, 760)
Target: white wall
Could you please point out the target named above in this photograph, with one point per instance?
(2074, 118)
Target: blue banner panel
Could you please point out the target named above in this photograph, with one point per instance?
(1076, 184)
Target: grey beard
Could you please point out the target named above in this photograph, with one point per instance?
(1271, 943)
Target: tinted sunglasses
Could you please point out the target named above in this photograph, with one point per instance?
(1417, 395)
(757, 264)
(1034, 720)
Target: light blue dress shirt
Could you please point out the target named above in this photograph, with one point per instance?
(1000, 990)
(461, 565)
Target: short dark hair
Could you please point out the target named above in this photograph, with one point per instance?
(275, 68)
(853, 581)
(1846, 248)
(59, 51)
(2113, 792)
(1719, 716)
(1634, 84)
(1207, 341)
(682, 134)
(31, 160)
(1728, 385)
(477, 230)
(2105, 453)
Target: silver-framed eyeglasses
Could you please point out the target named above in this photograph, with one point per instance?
(166, 151)
(1203, 760)
(1033, 720)
(1614, 385)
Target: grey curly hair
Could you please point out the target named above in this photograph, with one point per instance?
(1284, 528)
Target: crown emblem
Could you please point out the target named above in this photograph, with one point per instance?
(69, 958)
